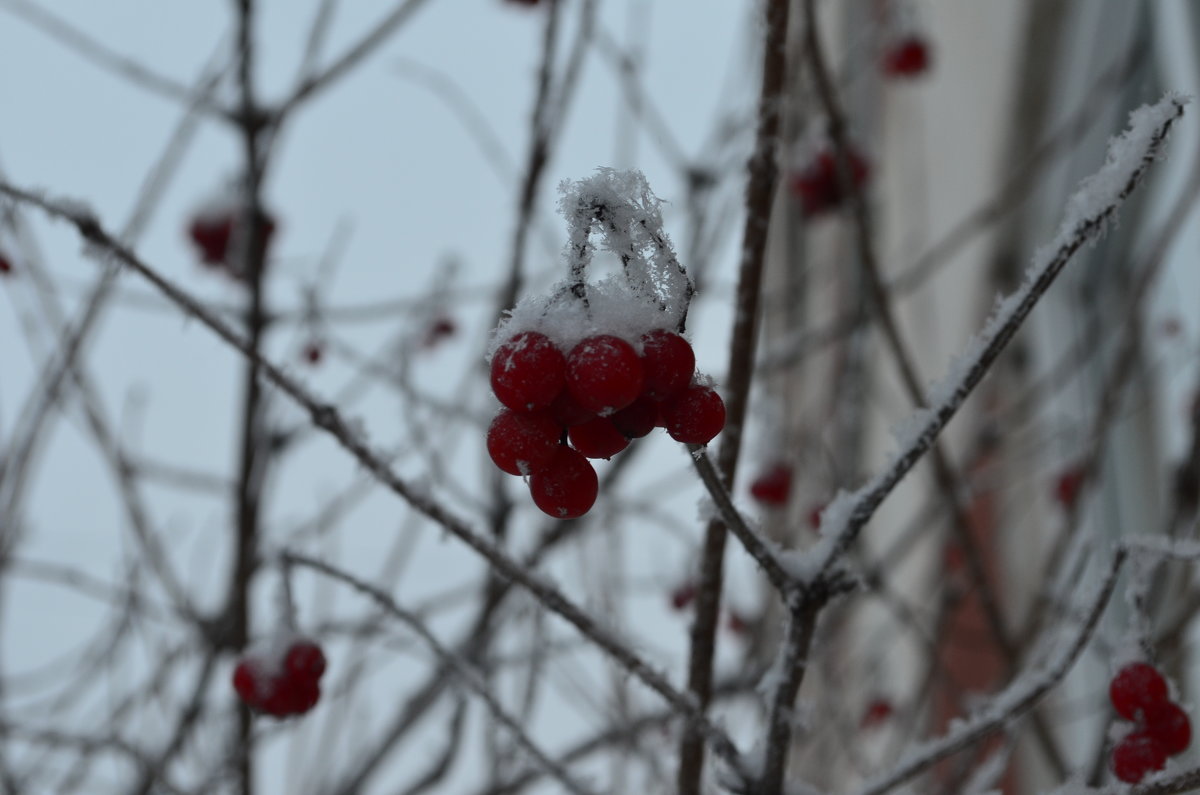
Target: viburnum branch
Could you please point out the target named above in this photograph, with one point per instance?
(465, 672)
(1017, 699)
(329, 419)
(756, 546)
(1187, 781)
(949, 482)
(1114, 386)
(762, 180)
(1090, 211)
(792, 665)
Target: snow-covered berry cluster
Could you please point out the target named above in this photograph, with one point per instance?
(1139, 693)
(590, 367)
(283, 679)
(216, 232)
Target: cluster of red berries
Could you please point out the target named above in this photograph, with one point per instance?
(212, 232)
(564, 408)
(817, 185)
(281, 687)
(1139, 693)
(906, 57)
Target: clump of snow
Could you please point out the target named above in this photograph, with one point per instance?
(652, 290)
(804, 565)
(1126, 154)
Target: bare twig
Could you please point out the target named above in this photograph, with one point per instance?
(464, 671)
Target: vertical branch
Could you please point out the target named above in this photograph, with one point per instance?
(249, 254)
(763, 175)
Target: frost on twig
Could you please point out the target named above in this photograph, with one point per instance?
(1088, 213)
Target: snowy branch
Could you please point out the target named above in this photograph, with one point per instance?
(1017, 699)
(1088, 213)
(329, 419)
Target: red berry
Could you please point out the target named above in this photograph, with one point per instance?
(604, 374)
(246, 682)
(683, 596)
(736, 624)
(567, 411)
(438, 330)
(1067, 486)
(637, 419)
(305, 696)
(313, 352)
(211, 235)
(5, 265)
(1136, 688)
(814, 517)
(668, 361)
(695, 416)
(876, 713)
(305, 660)
(567, 488)
(528, 372)
(523, 444)
(1168, 725)
(293, 696)
(1137, 755)
(953, 559)
(598, 438)
(908, 57)
(281, 700)
(773, 486)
